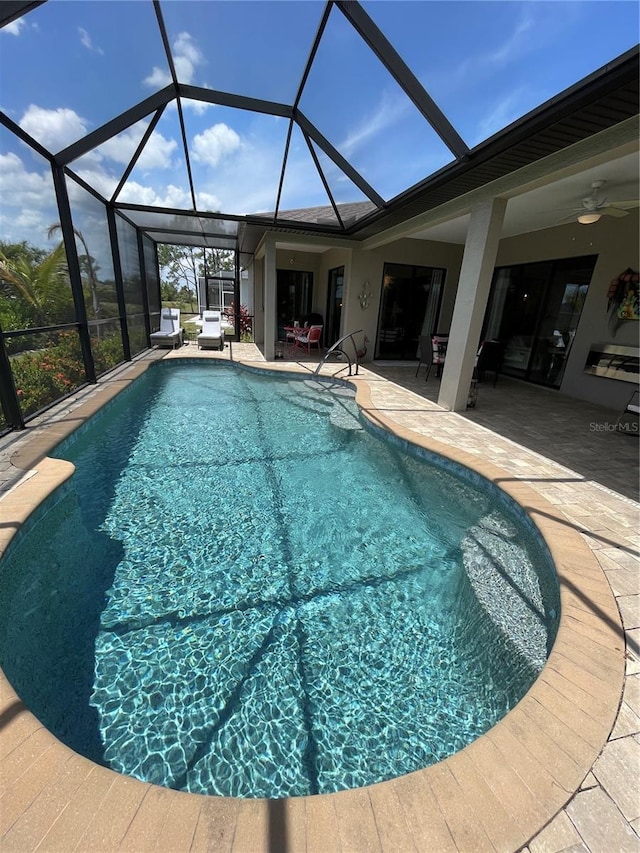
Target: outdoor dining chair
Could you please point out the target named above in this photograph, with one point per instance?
(292, 332)
(439, 351)
(310, 338)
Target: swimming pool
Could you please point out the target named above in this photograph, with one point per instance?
(272, 599)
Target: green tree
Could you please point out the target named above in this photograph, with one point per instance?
(169, 292)
(23, 249)
(87, 265)
(182, 266)
(34, 287)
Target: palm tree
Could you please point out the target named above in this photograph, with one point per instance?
(91, 272)
(42, 286)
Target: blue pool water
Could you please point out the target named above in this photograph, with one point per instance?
(244, 591)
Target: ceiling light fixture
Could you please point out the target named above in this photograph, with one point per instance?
(588, 218)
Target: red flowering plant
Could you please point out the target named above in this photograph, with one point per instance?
(243, 323)
(42, 377)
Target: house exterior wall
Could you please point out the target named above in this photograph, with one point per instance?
(258, 300)
(329, 260)
(292, 259)
(367, 267)
(615, 242)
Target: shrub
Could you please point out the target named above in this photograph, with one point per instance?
(107, 352)
(243, 323)
(42, 377)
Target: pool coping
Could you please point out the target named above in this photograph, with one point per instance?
(496, 793)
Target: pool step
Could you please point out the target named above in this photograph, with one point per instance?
(332, 398)
(507, 586)
(344, 419)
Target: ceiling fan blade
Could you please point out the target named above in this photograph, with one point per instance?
(627, 204)
(613, 211)
(571, 210)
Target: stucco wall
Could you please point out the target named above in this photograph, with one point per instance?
(331, 259)
(258, 300)
(366, 267)
(615, 242)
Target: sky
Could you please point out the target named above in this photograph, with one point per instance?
(68, 67)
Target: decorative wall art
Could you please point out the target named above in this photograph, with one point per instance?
(623, 299)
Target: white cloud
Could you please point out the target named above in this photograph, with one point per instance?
(16, 179)
(28, 203)
(100, 180)
(134, 193)
(246, 183)
(208, 201)
(475, 69)
(121, 148)
(54, 129)
(186, 58)
(387, 114)
(214, 144)
(196, 107)
(158, 79)
(508, 109)
(15, 27)
(86, 41)
(157, 153)
(512, 47)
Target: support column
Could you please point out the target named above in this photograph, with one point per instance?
(269, 297)
(481, 246)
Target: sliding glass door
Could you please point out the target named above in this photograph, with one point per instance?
(294, 298)
(534, 311)
(334, 305)
(409, 307)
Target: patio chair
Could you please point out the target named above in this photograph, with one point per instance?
(489, 358)
(439, 351)
(212, 335)
(169, 333)
(426, 355)
(628, 422)
(310, 338)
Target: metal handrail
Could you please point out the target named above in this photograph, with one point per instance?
(338, 348)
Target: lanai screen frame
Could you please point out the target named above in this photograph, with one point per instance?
(427, 193)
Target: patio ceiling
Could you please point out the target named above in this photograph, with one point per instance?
(200, 120)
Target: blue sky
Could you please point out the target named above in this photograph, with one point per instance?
(68, 67)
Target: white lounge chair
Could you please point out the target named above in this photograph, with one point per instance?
(170, 333)
(212, 334)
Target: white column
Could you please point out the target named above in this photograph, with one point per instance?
(269, 296)
(481, 246)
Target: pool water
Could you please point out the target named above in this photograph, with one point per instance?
(244, 591)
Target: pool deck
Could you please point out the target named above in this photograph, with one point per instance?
(558, 773)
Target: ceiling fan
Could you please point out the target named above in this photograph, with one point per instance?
(595, 205)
